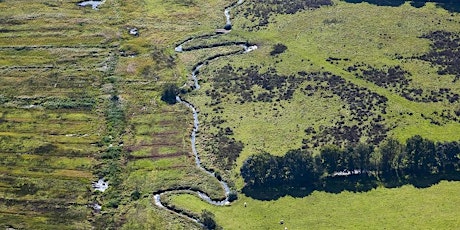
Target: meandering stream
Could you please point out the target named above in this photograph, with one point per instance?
(245, 47)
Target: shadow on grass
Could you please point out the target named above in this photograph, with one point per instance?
(428, 181)
(450, 5)
(353, 183)
(274, 193)
(425, 181)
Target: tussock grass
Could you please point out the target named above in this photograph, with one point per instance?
(53, 55)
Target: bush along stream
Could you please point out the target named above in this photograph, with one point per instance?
(173, 92)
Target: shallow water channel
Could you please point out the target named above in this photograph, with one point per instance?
(245, 47)
(93, 4)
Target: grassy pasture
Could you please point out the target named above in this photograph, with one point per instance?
(355, 33)
(403, 208)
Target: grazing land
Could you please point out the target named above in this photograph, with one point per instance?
(405, 208)
(80, 99)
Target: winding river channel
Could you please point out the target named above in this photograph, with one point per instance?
(245, 47)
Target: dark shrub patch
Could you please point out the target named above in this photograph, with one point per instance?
(366, 107)
(260, 11)
(207, 218)
(453, 6)
(278, 49)
(135, 195)
(395, 79)
(169, 94)
(232, 196)
(445, 52)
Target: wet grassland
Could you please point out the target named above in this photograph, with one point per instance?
(54, 58)
(80, 100)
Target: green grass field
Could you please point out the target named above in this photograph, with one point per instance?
(309, 45)
(403, 208)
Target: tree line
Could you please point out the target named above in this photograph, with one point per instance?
(418, 158)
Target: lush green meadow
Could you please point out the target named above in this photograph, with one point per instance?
(356, 33)
(402, 208)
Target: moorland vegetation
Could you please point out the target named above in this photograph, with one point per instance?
(342, 81)
(333, 86)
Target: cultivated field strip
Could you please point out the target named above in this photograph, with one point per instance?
(54, 56)
(161, 149)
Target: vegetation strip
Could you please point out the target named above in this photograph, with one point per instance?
(356, 168)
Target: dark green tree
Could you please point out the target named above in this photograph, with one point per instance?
(207, 218)
(390, 151)
(363, 154)
(448, 156)
(420, 156)
(298, 168)
(169, 94)
(331, 159)
(260, 169)
(348, 159)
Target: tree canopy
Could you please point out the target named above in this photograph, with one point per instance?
(390, 161)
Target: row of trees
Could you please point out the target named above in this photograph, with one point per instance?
(418, 158)
(296, 167)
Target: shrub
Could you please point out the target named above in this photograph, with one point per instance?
(232, 196)
(278, 49)
(46, 148)
(169, 94)
(135, 195)
(112, 153)
(207, 218)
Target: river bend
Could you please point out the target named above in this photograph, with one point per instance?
(245, 48)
